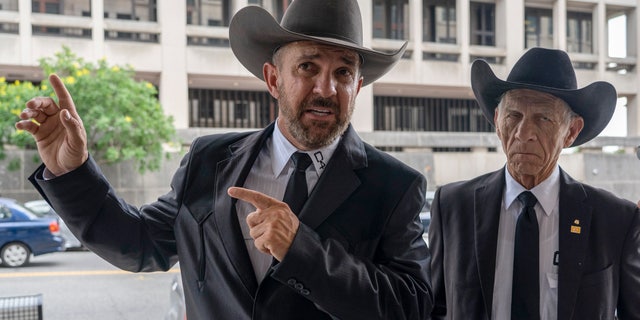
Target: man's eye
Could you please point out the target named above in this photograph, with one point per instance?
(304, 66)
(345, 72)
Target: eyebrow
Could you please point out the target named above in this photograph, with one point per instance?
(348, 59)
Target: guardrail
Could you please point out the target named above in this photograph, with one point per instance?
(21, 307)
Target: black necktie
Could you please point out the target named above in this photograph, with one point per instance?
(296, 193)
(525, 297)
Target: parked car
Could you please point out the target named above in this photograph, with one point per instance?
(42, 209)
(425, 214)
(23, 234)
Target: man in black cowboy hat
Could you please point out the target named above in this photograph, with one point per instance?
(528, 241)
(353, 250)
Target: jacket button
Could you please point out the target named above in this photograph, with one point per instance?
(304, 292)
(299, 286)
(291, 282)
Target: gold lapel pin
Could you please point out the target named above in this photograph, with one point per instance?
(576, 227)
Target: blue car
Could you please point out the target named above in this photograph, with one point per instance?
(23, 234)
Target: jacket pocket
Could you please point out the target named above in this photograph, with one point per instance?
(596, 296)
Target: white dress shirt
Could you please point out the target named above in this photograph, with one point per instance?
(269, 175)
(547, 194)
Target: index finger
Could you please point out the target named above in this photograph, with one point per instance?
(64, 97)
(257, 199)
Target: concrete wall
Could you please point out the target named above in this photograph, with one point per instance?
(135, 188)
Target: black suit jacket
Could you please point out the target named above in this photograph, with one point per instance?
(358, 254)
(599, 268)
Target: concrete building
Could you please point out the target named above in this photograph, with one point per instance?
(423, 110)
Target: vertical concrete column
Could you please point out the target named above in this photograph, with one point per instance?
(560, 24)
(600, 43)
(25, 29)
(173, 78)
(464, 26)
(633, 48)
(362, 119)
(236, 5)
(633, 36)
(97, 30)
(415, 20)
(514, 31)
(633, 116)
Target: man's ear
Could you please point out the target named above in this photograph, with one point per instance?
(495, 121)
(270, 74)
(575, 127)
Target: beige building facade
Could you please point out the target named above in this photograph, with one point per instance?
(423, 109)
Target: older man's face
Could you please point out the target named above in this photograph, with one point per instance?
(534, 127)
(316, 86)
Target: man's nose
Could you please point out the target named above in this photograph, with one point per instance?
(526, 130)
(325, 85)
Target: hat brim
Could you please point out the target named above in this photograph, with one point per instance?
(595, 103)
(254, 35)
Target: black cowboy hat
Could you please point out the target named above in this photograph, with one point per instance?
(549, 71)
(255, 35)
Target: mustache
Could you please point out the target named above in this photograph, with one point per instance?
(321, 102)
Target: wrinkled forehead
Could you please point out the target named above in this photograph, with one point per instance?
(525, 99)
(527, 96)
(316, 49)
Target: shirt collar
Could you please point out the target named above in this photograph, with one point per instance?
(282, 150)
(547, 192)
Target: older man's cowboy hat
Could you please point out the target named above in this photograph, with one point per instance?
(548, 71)
(255, 35)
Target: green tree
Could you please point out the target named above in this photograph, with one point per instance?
(122, 116)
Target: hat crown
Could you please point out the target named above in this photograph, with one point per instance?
(337, 19)
(545, 67)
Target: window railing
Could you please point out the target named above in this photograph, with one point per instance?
(212, 108)
(428, 114)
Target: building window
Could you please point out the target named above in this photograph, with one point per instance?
(9, 27)
(391, 19)
(618, 34)
(483, 24)
(9, 5)
(428, 114)
(439, 21)
(132, 36)
(68, 8)
(138, 10)
(12, 28)
(207, 41)
(538, 28)
(231, 109)
(63, 32)
(275, 7)
(212, 13)
(579, 32)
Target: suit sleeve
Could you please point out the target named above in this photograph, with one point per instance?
(436, 245)
(392, 285)
(129, 238)
(628, 301)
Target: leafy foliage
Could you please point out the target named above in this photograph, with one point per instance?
(12, 99)
(123, 117)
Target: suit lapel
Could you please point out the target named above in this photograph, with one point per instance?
(574, 227)
(487, 204)
(339, 180)
(232, 172)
